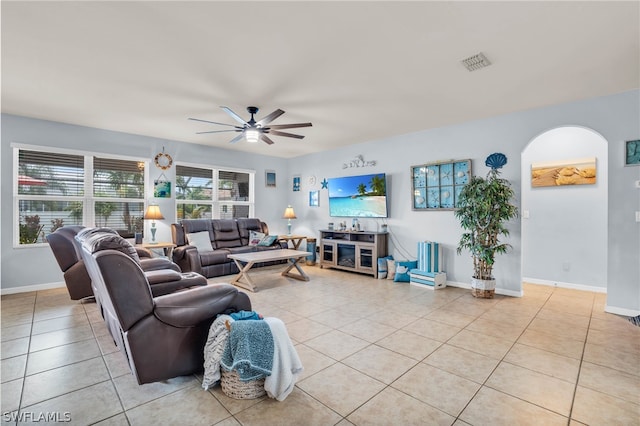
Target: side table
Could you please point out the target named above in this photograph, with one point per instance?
(166, 247)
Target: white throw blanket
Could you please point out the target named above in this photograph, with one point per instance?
(286, 363)
(213, 349)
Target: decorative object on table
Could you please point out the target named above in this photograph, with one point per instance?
(162, 187)
(437, 186)
(296, 183)
(325, 184)
(632, 153)
(270, 178)
(162, 160)
(289, 214)
(484, 208)
(314, 198)
(358, 161)
(562, 173)
(253, 131)
(153, 213)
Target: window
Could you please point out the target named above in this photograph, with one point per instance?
(197, 198)
(118, 188)
(50, 190)
(58, 189)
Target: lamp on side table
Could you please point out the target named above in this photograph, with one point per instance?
(153, 213)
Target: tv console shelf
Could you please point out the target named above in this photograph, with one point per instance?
(352, 251)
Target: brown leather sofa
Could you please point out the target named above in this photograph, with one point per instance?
(164, 276)
(162, 337)
(227, 236)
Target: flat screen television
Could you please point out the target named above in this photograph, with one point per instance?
(358, 196)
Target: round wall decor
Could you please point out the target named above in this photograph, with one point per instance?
(163, 161)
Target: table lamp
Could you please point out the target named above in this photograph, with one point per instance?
(289, 214)
(153, 213)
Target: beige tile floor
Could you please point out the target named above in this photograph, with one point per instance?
(374, 351)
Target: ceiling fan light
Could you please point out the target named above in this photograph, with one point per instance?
(252, 135)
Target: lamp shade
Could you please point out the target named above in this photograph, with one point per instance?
(153, 212)
(289, 213)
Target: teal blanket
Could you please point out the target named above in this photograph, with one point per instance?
(249, 350)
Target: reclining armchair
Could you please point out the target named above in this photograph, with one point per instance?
(164, 275)
(162, 337)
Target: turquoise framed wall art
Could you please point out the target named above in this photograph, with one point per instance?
(632, 153)
(437, 186)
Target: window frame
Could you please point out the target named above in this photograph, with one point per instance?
(88, 199)
(215, 203)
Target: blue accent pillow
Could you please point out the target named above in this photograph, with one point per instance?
(382, 266)
(268, 240)
(402, 270)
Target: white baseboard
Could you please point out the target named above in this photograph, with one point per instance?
(503, 291)
(621, 311)
(561, 284)
(28, 288)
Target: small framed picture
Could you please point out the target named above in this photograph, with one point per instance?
(270, 178)
(632, 153)
(296, 183)
(314, 198)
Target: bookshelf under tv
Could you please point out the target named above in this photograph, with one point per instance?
(352, 251)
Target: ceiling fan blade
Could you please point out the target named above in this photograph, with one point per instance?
(269, 118)
(289, 135)
(266, 138)
(234, 115)
(237, 138)
(217, 131)
(212, 122)
(289, 126)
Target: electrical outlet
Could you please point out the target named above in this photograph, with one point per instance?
(637, 216)
(638, 184)
(566, 266)
(525, 214)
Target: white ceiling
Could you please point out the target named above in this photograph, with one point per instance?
(358, 71)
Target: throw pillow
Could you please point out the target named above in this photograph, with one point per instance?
(200, 240)
(382, 267)
(391, 269)
(255, 238)
(268, 240)
(402, 270)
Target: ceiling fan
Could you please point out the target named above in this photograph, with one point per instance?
(253, 130)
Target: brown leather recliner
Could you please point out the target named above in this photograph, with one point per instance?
(162, 337)
(164, 275)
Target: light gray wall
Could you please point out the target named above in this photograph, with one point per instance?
(615, 117)
(564, 239)
(28, 266)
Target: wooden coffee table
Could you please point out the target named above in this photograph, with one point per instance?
(245, 262)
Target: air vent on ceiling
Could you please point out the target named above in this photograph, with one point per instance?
(476, 62)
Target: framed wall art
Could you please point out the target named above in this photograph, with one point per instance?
(632, 153)
(296, 183)
(563, 173)
(437, 186)
(270, 178)
(314, 198)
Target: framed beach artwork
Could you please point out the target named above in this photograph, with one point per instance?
(270, 178)
(314, 198)
(564, 172)
(296, 183)
(632, 153)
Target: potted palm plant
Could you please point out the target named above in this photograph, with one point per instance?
(484, 207)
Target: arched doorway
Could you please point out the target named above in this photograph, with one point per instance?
(564, 225)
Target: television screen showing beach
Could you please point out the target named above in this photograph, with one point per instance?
(358, 196)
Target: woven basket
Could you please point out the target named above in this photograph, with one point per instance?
(233, 387)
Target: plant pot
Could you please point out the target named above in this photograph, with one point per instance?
(484, 289)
